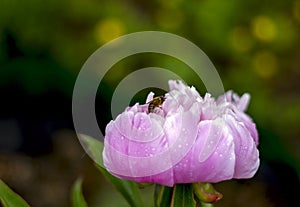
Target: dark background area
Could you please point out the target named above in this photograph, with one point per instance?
(43, 45)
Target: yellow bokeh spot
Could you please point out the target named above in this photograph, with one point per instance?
(265, 64)
(109, 29)
(296, 10)
(264, 29)
(240, 39)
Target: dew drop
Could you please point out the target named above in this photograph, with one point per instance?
(179, 146)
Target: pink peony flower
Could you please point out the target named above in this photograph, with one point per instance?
(188, 139)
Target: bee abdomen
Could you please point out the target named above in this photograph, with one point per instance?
(151, 108)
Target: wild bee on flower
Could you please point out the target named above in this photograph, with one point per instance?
(156, 102)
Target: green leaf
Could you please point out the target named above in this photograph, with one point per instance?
(9, 198)
(77, 196)
(183, 196)
(128, 189)
(93, 147)
(162, 196)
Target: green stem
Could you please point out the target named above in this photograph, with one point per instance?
(162, 195)
(183, 196)
(186, 195)
(206, 204)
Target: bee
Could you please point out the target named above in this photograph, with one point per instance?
(156, 102)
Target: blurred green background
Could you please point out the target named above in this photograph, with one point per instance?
(43, 45)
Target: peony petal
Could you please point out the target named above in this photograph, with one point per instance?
(219, 158)
(149, 97)
(247, 155)
(139, 127)
(209, 136)
(243, 102)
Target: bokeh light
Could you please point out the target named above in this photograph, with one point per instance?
(265, 64)
(296, 10)
(109, 29)
(264, 29)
